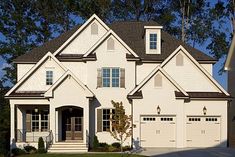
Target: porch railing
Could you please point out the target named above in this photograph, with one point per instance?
(49, 140)
(24, 136)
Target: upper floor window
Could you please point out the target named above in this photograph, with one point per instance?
(110, 44)
(49, 77)
(110, 77)
(94, 29)
(179, 60)
(153, 41)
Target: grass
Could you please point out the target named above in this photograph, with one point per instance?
(82, 155)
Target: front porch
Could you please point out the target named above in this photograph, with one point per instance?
(64, 127)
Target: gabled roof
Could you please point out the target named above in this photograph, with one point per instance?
(110, 32)
(132, 33)
(68, 73)
(32, 70)
(157, 69)
(206, 73)
(230, 54)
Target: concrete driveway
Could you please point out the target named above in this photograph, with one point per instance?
(193, 152)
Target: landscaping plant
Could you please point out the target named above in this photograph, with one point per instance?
(121, 124)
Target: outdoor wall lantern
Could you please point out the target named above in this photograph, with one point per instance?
(36, 110)
(204, 110)
(158, 110)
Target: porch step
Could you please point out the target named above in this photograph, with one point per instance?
(64, 147)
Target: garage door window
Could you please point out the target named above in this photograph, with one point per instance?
(211, 119)
(149, 119)
(166, 119)
(194, 119)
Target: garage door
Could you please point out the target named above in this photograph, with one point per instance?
(203, 131)
(158, 131)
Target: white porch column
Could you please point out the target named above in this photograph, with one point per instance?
(52, 122)
(12, 139)
(86, 123)
(56, 126)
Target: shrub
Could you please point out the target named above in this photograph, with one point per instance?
(17, 151)
(96, 142)
(41, 146)
(126, 148)
(116, 145)
(30, 149)
(104, 145)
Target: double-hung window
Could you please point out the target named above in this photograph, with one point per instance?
(40, 121)
(153, 41)
(49, 77)
(107, 113)
(111, 77)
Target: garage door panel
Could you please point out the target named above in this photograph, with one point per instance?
(203, 131)
(160, 132)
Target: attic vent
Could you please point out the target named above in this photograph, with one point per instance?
(110, 44)
(179, 60)
(94, 29)
(158, 81)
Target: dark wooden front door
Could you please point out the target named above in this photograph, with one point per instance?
(72, 124)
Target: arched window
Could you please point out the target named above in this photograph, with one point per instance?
(94, 28)
(110, 44)
(158, 80)
(179, 60)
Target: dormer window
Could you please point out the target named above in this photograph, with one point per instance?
(153, 41)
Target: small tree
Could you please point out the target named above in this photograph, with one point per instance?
(121, 124)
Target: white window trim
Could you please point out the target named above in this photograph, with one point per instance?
(110, 77)
(40, 120)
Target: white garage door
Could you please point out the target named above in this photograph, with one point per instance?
(203, 131)
(158, 131)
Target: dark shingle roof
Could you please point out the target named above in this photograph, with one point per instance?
(132, 33)
(203, 95)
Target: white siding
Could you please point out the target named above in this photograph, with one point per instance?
(189, 77)
(22, 69)
(105, 58)
(143, 70)
(85, 40)
(208, 67)
(37, 81)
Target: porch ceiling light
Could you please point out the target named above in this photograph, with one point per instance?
(158, 110)
(204, 110)
(36, 110)
(70, 109)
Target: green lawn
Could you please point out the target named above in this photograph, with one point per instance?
(82, 155)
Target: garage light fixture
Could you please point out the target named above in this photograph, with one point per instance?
(158, 110)
(204, 110)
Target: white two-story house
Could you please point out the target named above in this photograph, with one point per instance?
(64, 89)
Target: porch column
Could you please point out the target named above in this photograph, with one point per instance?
(56, 126)
(86, 123)
(12, 139)
(52, 122)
